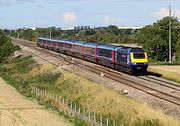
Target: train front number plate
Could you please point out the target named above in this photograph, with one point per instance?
(138, 68)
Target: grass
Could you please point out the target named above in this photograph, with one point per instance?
(170, 75)
(110, 104)
(24, 73)
(88, 94)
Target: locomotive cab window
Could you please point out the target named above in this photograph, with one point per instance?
(39, 41)
(139, 55)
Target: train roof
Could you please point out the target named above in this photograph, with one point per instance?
(90, 44)
(137, 50)
(78, 42)
(47, 39)
(128, 49)
(122, 48)
(106, 46)
(99, 46)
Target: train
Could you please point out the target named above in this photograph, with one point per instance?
(131, 60)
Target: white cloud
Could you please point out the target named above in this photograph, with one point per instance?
(108, 20)
(69, 18)
(163, 12)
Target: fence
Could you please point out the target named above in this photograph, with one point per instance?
(74, 109)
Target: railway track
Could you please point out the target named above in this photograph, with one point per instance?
(119, 77)
(161, 82)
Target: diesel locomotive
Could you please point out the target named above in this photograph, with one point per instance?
(126, 59)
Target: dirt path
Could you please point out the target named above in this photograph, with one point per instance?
(16, 110)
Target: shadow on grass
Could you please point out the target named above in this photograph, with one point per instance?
(154, 74)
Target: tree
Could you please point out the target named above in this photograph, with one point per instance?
(6, 47)
(113, 29)
(177, 54)
(155, 38)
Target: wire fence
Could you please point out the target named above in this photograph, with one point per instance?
(73, 109)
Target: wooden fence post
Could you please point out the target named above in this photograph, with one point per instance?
(107, 122)
(94, 118)
(84, 112)
(101, 121)
(75, 107)
(89, 115)
(114, 123)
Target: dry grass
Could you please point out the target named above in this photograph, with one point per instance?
(170, 72)
(41, 69)
(107, 102)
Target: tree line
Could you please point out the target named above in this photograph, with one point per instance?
(153, 38)
(110, 34)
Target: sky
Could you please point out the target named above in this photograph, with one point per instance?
(69, 13)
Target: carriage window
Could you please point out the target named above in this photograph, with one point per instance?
(68, 46)
(121, 57)
(60, 44)
(105, 53)
(77, 48)
(44, 41)
(54, 44)
(49, 43)
(88, 50)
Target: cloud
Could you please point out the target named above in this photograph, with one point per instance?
(108, 20)
(6, 2)
(69, 17)
(30, 1)
(163, 12)
(40, 6)
(11, 2)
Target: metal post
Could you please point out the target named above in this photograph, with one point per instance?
(170, 58)
(50, 33)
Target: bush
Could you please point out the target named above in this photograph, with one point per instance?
(6, 47)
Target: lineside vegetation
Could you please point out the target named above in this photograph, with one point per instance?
(98, 99)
